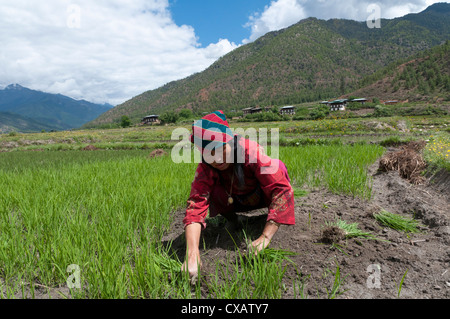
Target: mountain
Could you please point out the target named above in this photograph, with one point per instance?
(44, 110)
(10, 122)
(309, 61)
(424, 76)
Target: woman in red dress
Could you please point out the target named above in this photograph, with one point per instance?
(234, 176)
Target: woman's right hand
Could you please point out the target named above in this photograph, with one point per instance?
(192, 265)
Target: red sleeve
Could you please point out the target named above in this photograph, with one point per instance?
(198, 202)
(275, 185)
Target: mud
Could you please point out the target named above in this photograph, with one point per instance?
(157, 153)
(90, 148)
(369, 268)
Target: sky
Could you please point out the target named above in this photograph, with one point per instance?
(108, 51)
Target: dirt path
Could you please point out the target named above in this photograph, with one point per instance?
(371, 268)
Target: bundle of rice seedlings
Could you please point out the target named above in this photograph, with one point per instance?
(350, 230)
(397, 222)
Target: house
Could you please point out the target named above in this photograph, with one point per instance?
(247, 111)
(150, 119)
(390, 102)
(251, 110)
(362, 101)
(337, 105)
(287, 110)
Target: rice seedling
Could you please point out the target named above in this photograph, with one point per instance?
(250, 276)
(107, 210)
(341, 168)
(299, 284)
(400, 285)
(397, 222)
(350, 230)
(336, 289)
(105, 215)
(298, 192)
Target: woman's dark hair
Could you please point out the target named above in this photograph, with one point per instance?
(238, 158)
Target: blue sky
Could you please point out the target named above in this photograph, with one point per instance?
(112, 50)
(216, 19)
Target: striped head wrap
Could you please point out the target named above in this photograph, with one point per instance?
(211, 131)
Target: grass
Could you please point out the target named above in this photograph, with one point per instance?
(105, 211)
(400, 285)
(104, 215)
(250, 276)
(437, 151)
(351, 230)
(299, 192)
(340, 168)
(397, 222)
(338, 282)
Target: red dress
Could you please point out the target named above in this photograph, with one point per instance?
(211, 188)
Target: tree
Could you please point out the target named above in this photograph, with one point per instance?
(125, 121)
(319, 112)
(169, 117)
(185, 114)
(342, 85)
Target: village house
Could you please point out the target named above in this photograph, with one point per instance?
(287, 110)
(337, 105)
(362, 101)
(151, 119)
(390, 102)
(251, 110)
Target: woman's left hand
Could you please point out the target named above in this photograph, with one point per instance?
(264, 240)
(260, 244)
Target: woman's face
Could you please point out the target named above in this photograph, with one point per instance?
(221, 158)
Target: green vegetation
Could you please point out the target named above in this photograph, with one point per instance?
(28, 110)
(400, 285)
(437, 151)
(125, 121)
(342, 168)
(336, 289)
(351, 230)
(397, 222)
(312, 60)
(103, 215)
(250, 276)
(106, 210)
(424, 75)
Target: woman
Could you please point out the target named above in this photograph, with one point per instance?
(234, 176)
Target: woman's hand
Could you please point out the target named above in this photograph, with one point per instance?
(264, 240)
(192, 265)
(260, 244)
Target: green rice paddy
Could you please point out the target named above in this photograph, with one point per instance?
(105, 211)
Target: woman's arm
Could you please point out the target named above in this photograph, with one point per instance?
(192, 263)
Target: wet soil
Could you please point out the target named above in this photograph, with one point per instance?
(368, 268)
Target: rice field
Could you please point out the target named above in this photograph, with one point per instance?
(105, 213)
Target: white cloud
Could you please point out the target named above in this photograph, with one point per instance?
(279, 14)
(101, 51)
(215, 50)
(283, 13)
(112, 50)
